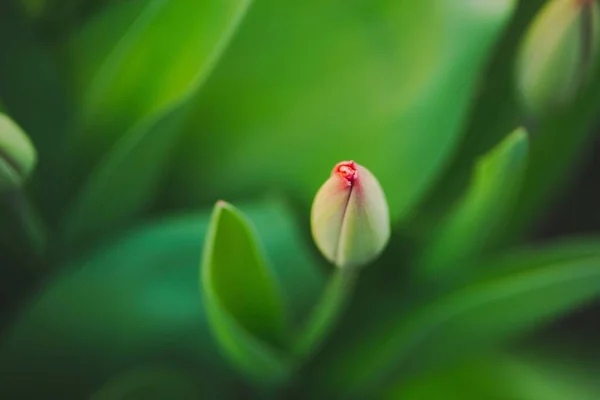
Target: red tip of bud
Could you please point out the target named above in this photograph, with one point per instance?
(347, 171)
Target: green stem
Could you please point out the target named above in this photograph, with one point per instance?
(27, 219)
(327, 312)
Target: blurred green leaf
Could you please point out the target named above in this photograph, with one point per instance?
(515, 295)
(504, 377)
(298, 269)
(495, 113)
(18, 156)
(139, 59)
(386, 83)
(136, 299)
(539, 377)
(33, 94)
(139, 94)
(149, 383)
(477, 219)
(56, 19)
(243, 300)
(560, 142)
(84, 51)
(124, 182)
(18, 160)
(133, 299)
(482, 379)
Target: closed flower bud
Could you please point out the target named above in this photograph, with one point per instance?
(17, 155)
(350, 218)
(557, 54)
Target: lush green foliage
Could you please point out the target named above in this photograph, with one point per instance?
(161, 247)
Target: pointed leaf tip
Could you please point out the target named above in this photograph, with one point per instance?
(350, 220)
(243, 301)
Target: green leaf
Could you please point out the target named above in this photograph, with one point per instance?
(516, 294)
(133, 299)
(494, 114)
(477, 219)
(33, 94)
(539, 377)
(140, 95)
(514, 376)
(18, 156)
(136, 300)
(242, 297)
(487, 378)
(85, 52)
(149, 383)
(387, 85)
(18, 160)
(137, 59)
(124, 182)
(299, 271)
(561, 140)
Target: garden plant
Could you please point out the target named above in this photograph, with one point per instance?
(227, 199)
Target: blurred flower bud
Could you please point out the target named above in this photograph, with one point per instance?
(17, 155)
(557, 54)
(350, 218)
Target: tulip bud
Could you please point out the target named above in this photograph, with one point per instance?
(17, 155)
(350, 218)
(557, 54)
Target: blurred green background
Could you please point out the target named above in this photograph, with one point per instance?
(117, 283)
